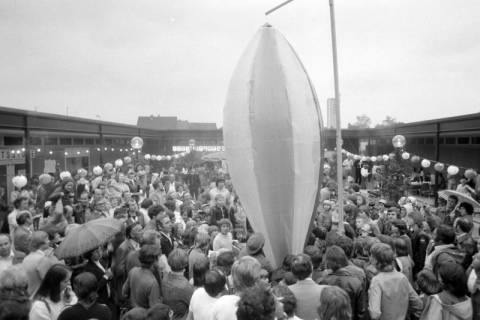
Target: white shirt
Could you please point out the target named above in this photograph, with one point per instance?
(40, 311)
(225, 308)
(6, 262)
(201, 305)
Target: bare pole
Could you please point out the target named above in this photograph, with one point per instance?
(278, 7)
(338, 122)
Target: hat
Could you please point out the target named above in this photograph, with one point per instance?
(255, 243)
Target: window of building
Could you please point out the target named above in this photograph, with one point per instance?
(428, 140)
(463, 140)
(89, 141)
(441, 140)
(421, 141)
(475, 140)
(77, 141)
(108, 141)
(66, 141)
(97, 141)
(35, 141)
(52, 141)
(450, 140)
(12, 141)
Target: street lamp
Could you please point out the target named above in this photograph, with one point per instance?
(137, 144)
(398, 141)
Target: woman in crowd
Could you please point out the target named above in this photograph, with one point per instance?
(54, 294)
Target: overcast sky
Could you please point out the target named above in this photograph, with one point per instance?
(117, 59)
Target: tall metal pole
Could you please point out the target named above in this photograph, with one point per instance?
(339, 129)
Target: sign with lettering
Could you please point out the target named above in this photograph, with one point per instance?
(7, 156)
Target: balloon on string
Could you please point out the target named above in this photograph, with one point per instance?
(65, 174)
(176, 156)
(118, 163)
(415, 159)
(452, 170)
(439, 166)
(385, 157)
(398, 141)
(168, 158)
(97, 170)
(405, 156)
(364, 159)
(374, 159)
(153, 157)
(357, 157)
(19, 181)
(108, 166)
(364, 172)
(425, 163)
(127, 160)
(147, 156)
(470, 173)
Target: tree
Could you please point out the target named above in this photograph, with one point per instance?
(387, 122)
(363, 122)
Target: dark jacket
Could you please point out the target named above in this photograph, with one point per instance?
(102, 282)
(353, 286)
(217, 213)
(420, 241)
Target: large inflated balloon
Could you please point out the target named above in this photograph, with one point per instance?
(272, 138)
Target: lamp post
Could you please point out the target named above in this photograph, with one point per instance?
(137, 144)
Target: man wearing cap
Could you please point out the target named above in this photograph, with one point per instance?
(254, 248)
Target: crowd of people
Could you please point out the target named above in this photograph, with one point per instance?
(187, 251)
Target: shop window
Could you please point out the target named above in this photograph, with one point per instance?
(66, 141)
(450, 140)
(89, 141)
(35, 141)
(463, 140)
(12, 141)
(77, 141)
(52, 141)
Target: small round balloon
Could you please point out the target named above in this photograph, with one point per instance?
(168, 158)
(108, 166)
(127, 160)
(97, 170)
(65, 174)
(398, 141)
(405, 156)
(391, 156)
(19, 181)
(470, 173)
(364, 159)
(374, 159)
(415, 159)
(452, 170)
(385, 157)
(147, 156)
(136, 143)
(357, 157)
(153, 157)
(160, 158)
(425, 163)
(439, 166)
(118, 163)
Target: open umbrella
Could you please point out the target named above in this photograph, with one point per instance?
(462, 197)
(87, 237)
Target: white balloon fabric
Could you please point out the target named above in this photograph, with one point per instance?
(118, 163)
(19, 181)
(272, 125)
(405, 156)
(97, 170)
(425, 163)
(65, 174)
(452, 170)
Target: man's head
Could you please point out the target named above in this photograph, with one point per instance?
(178, 260)
(214, 283)
(302, 266)
(335, 258)
(5, 245)
(220, 183)
(24, 218)
(219, 200)
(383, 256)
(245, 273)
(463, 226)
(466, 209)
(165, 223)
(85, 286)
(452, 201)
(444, 235)
(39, 241)
(21, 203)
